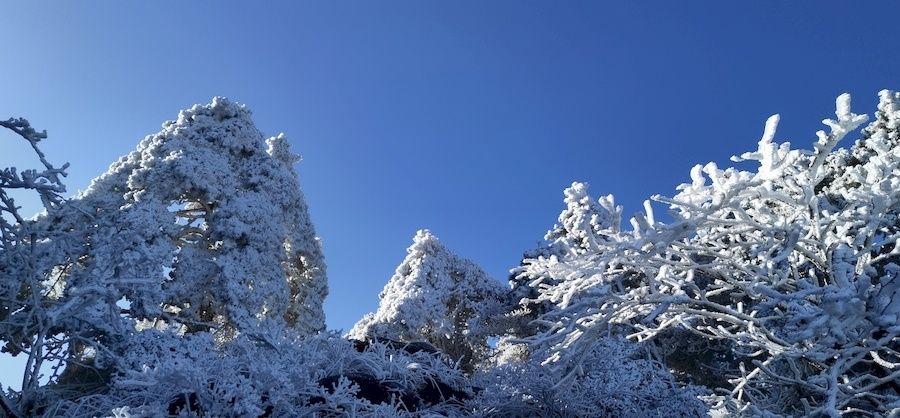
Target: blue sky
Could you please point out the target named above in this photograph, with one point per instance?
(467, 117)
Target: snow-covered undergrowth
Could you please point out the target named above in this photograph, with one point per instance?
(284, 374)
(188, 281)
(618, 378)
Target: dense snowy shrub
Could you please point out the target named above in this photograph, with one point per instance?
(618, 378)
(438, 297)
(788, 274)
(281, 374)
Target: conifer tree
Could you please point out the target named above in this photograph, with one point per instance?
(203, 228)
(437, 297)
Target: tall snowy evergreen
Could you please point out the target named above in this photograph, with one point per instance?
(202, 228)
(211, 219)
(438, 297)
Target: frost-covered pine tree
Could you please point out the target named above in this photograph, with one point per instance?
(215, 226)
(202, 229)
(438, 297)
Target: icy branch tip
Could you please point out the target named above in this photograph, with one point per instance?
(771, 126)
(842, 107)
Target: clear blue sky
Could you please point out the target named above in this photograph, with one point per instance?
(465, 117)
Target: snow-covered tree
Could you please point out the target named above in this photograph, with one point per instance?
(438, 297)
(793, 266)
(203, 228)
(582, 228)
(211, 204)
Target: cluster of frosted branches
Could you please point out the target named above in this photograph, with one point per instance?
(22, 305)
(794, 265)
(45, 182)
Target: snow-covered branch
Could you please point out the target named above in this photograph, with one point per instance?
(794, 265)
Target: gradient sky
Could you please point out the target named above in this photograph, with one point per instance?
(466, 117)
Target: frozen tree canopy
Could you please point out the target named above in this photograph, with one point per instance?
(437, 297)
(202, 227)
(188, 281)
(234, 220)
